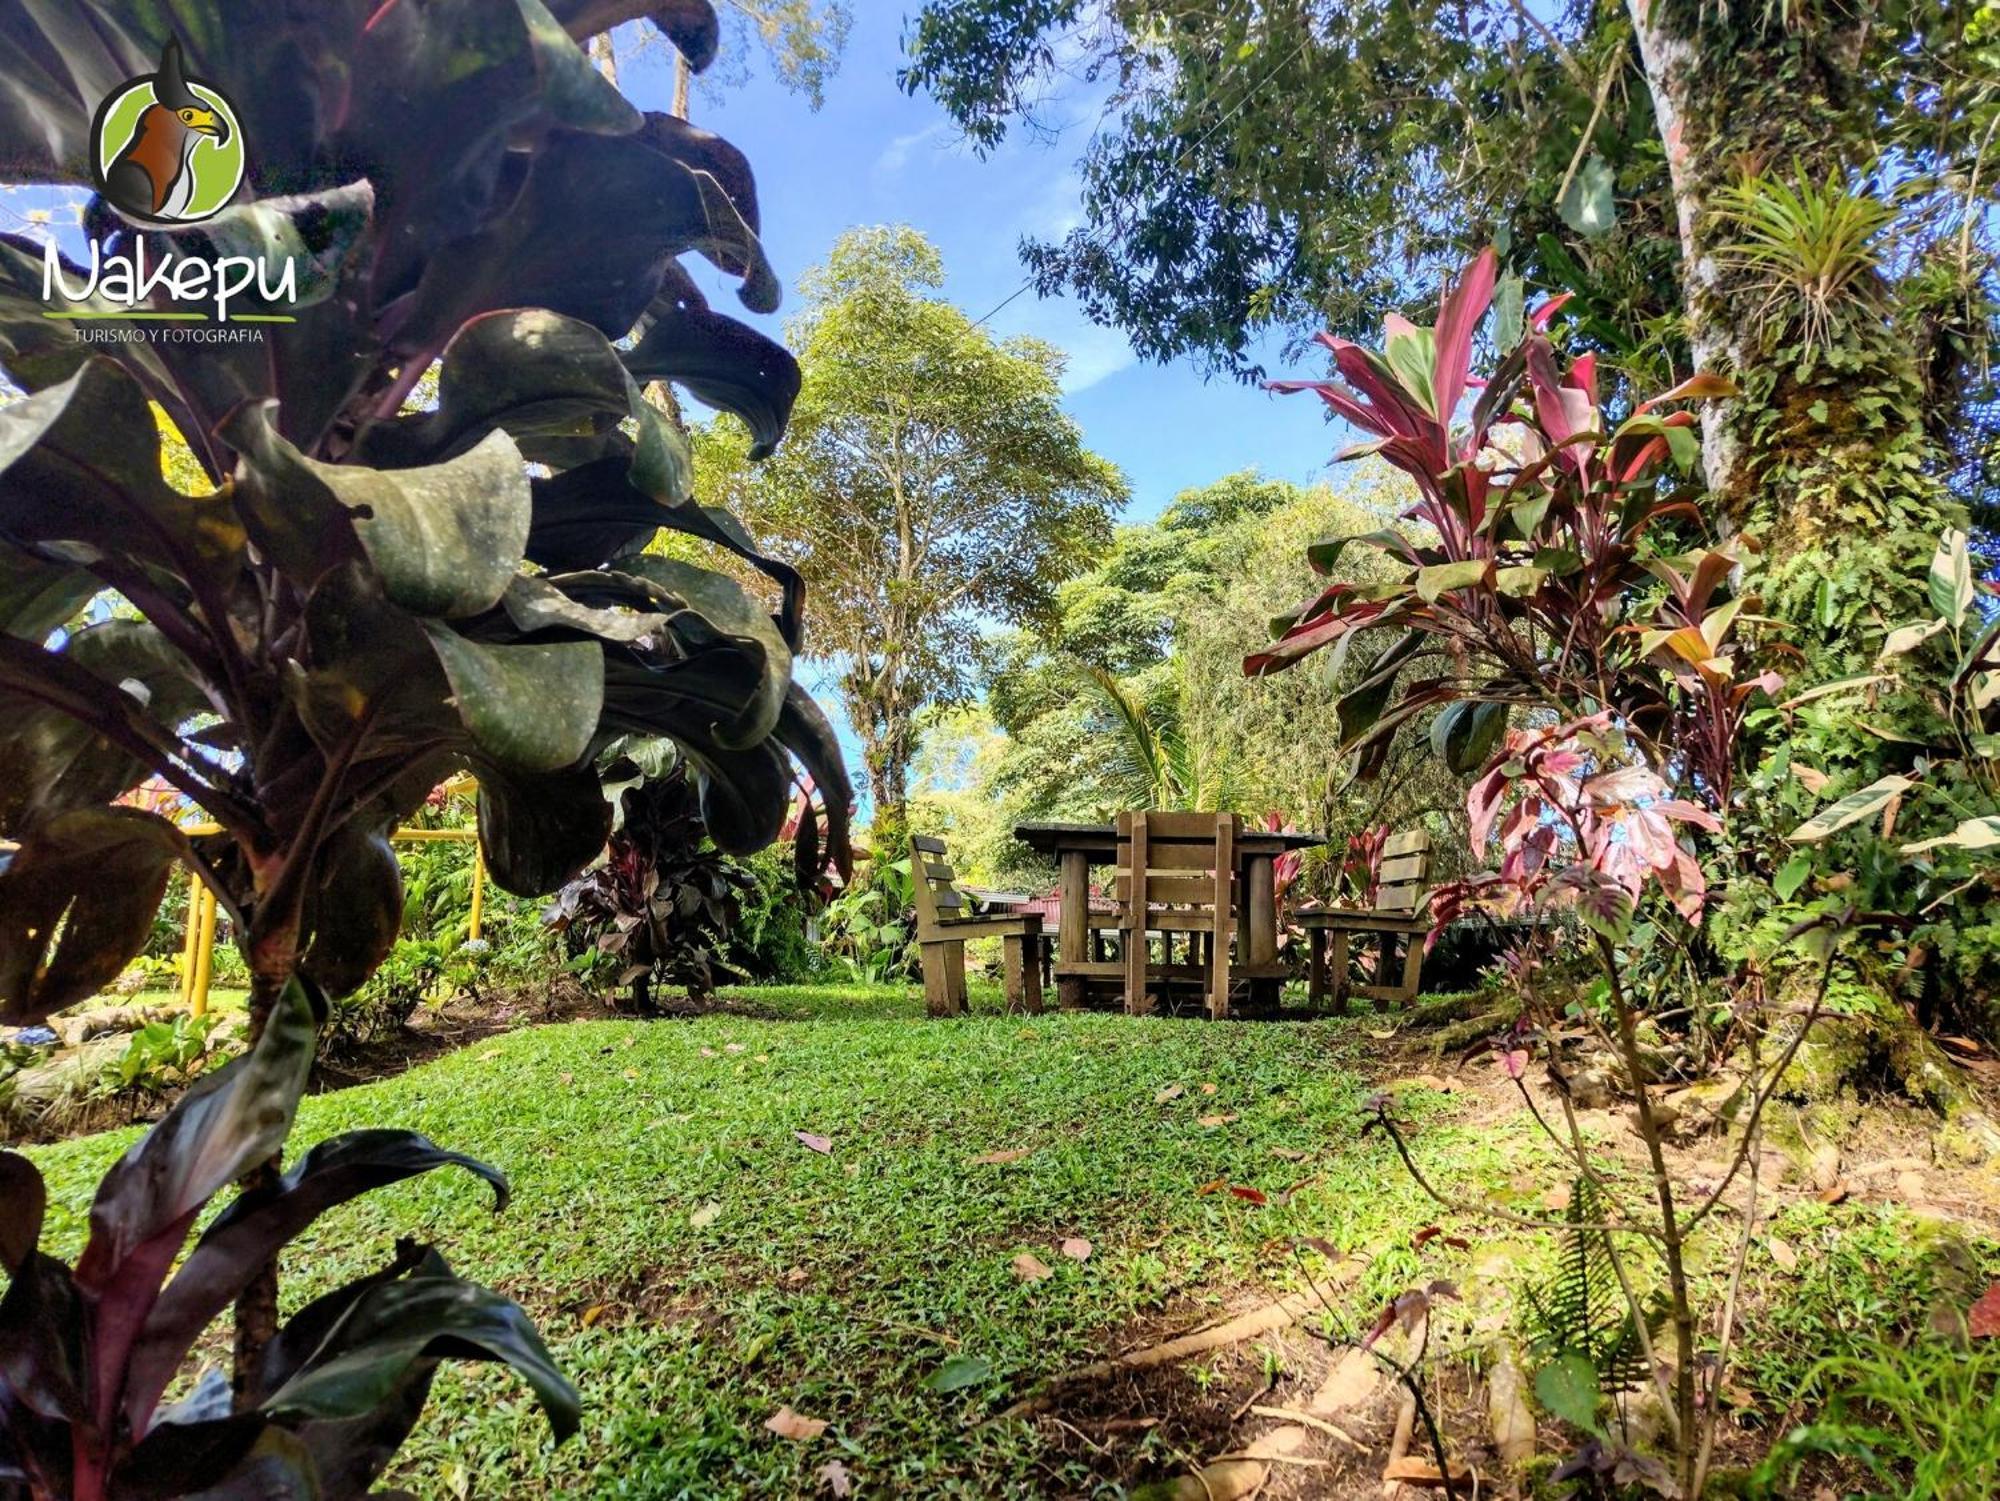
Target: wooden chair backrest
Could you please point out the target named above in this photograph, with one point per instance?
(935, 885)
(1404, 880)
(1183, 864)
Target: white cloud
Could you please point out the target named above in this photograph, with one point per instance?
(896, 155)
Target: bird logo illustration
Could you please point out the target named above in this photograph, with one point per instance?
(168, 149)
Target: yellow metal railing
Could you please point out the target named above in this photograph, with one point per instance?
(198, 946)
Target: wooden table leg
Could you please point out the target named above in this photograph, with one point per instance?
(1073, 929)
(1260, 923)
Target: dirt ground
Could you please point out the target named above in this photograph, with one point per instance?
(1273, 1409)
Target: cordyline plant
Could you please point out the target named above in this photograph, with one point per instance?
(663, 900)
(1534, 578)
(91, 1350)
(369, 599)
(1537, 584)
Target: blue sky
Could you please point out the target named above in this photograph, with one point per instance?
(873, 155)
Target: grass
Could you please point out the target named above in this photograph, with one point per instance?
(695, 1266)
(837, 1283)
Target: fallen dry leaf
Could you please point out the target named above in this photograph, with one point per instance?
(1225, 1480)
(705, 1216)
(1290, 1154)
(732, 1047)
(796, 1277)
(1984, 1320)
(994, 1159)
(1355, 1378)
(593, 1313)
(1208, 1089)
(817, 1143)
(1421, 1473)
(1031, 1268)
(1810, 777)
(1252, 1195)
(1964, 1045)
(1382, 1034)
(631, 1041)
(833, 1475)
(762, 1058)
(788, 1424)
(631, 1073)
(1076, 1248)
(1171, 1092)
(566, 1078)
(1557, 1198)
(1212, 1121)
(1833, 1194)
(1786, 1258)
(710, 1053)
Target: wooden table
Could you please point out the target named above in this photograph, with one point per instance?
(1078, 846)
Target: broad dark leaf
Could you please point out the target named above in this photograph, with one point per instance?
(528, 257)
(38, 596)
(538, 831)
(23, 1200)
(59, 762)
(720, 361)
(356, 912)
(76, 903)
(1465, 733)
(80, 462)
(184, 1459)
(226, 1123)
(1363, 704)
(252, 1231)
(689, 24)
(444, 538)
(546, 380)
(527, 708)
(393, 1325)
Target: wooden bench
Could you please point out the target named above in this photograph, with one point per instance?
(1177, 874)
(944, 922)
(1398, 916)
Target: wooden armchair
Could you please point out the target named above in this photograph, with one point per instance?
(1398, 916)
(1177, 874)
(943, 925)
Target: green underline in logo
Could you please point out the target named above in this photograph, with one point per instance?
(175, 317)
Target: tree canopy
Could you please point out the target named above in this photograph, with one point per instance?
(930, 487)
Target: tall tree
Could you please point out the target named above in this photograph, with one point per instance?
(931, 487)
(1292, 163)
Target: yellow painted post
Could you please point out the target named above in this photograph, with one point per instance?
(478, 893)
(196, 891)
(205, 956)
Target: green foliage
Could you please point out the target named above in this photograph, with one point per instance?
(771, 941)
(170, 1055)
(338, 1387)
(1171, 611)
(1919, 1419)
(869, 930)
(1808, 246)
(932, 486)
(1580, 1314)
(663, 901)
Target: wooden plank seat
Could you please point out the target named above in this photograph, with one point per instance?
(945, 921)
(1177, 875)
(1398, 916)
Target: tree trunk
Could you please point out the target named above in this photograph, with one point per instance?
(256, 1314)
(888, 747)
(1824, 452)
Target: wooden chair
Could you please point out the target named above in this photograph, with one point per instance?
(1398, 915)
(944, 923)
(1177, 874)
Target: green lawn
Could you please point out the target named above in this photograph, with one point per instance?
(838, 1283)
